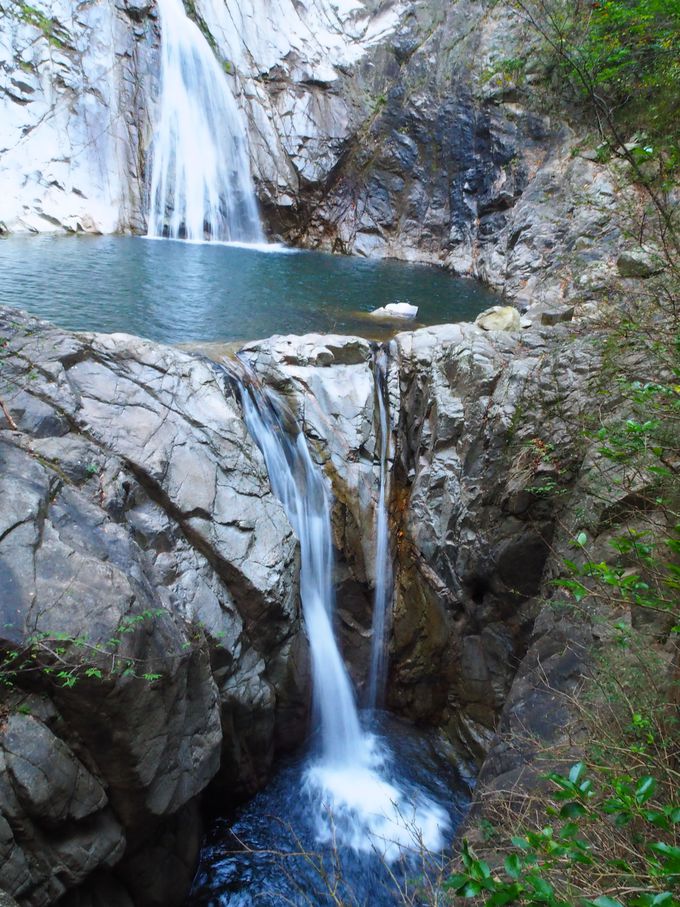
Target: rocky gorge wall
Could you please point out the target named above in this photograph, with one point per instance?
(144, 557)
(80, 84)
(75, 83)
(151, 633)
(134, 502)
(149, 577)
(376, 128)
(480, 428)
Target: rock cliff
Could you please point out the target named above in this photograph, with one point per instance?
(377, 128)
(480, 440)
(150, 623)
(151, 640)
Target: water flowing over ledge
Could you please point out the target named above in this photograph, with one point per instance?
(201, 187)
(347, 785)
(382, 599)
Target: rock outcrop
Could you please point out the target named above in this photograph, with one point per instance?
(477, 477)
(150, 623)
(136, 506)
(75, 85)
(79, 84)
(378, 128)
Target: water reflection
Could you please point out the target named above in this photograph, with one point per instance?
(179, 292)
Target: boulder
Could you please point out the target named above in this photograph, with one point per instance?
(397, 311)
(499, 318)
(638, 263)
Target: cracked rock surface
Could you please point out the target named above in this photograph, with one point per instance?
(138, 536)
(471, 525)
(76, 80)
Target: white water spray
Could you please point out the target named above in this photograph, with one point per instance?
(382, 597)
(201, 186)
(355, 804)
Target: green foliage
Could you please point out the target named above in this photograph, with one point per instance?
(55, 33)
(505, 73)
(555, 864)
(620, 60)
(642, 452)
(64, 659)
(631, 48)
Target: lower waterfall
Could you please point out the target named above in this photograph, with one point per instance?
(382, 597)
(347, 784)
(201, 187)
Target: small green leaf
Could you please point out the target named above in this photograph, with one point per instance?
(645, 789)
(573, 810)
(604, 901)
(507, 895)
(513, 865)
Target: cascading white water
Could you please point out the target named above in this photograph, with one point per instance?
(382, 597)
(299, 486)
(201, 187)
(347, 783)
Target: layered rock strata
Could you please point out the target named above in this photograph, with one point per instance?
(141, 538)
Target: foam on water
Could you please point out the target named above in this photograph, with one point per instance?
(328, 834)
(275, 248)
(356, 806)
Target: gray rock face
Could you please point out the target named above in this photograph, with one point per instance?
(481, 472)
(448, 158)
(75, 85)
(79, 85)
(477, 478)
(138, 536)
(137, 510)
(379, 128)
(638, 263)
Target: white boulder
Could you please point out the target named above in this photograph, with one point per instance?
(396, 310)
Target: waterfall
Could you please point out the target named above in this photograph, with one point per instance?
(347, 782)
(299, 486)
(201, 186)
(382, 599)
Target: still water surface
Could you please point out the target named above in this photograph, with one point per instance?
(177, 292)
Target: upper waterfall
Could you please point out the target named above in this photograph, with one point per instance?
(201, 187)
